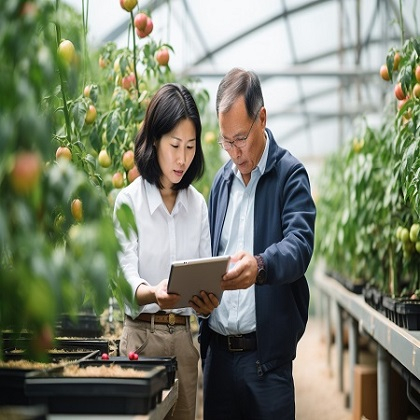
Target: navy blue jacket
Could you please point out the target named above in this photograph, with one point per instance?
(284, 219)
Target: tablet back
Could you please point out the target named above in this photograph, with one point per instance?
(189, 277)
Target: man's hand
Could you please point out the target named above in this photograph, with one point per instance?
(205, 303)
(243, 274)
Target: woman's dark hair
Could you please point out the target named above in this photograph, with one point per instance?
(171, 104)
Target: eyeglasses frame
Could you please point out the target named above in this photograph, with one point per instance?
(223, 143)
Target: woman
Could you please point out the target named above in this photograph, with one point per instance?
(172, 224)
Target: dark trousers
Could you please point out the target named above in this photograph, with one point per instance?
(233, 389)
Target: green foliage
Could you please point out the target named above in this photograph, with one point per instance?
(50, 261)
(371, 193)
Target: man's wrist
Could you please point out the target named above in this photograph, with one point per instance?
(261, 273)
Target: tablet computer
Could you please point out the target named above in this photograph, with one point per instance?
(189, 277)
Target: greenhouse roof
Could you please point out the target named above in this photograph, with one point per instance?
(318, 60)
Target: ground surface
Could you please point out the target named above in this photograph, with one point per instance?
(316, 384)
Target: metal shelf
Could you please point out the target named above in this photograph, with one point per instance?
(402, 344)
(393, 342)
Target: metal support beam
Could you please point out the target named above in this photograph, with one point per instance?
(294, 71)
(353, 353)
(384, 374)
(339, 346)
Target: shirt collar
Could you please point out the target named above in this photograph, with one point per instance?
(182, 198)
(155, 199)
(263, 161)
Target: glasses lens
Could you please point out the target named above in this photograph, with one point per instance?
(223, 143)
(227, 145)
(240, 143)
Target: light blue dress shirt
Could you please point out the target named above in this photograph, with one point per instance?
(236, 312)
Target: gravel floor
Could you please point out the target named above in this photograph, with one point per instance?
(316, 384)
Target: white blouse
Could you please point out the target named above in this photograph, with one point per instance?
(162, 237)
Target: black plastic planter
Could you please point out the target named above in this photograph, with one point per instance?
(409, 312)
(356, 288)
(80, 325)
(169, 363)
(97, 395)
(12, 381)
(83, 343)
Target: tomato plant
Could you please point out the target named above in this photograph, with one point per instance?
(370, 209)
(67, 127)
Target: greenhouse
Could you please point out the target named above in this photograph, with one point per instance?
(210, 210)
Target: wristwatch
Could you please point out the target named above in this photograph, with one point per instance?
(261, 274)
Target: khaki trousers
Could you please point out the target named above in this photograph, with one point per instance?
(160, 340)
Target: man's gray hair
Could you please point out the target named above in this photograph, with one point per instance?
(236, 83)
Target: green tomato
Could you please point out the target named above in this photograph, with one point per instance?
(414, 232)
(66, 52)
(128, 5)
(404, 235)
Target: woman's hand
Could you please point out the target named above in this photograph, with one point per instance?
(164, 299)
(157, 294)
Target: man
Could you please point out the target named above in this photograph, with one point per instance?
(262, 214)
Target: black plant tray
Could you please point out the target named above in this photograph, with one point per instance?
(373, 297)
(356, 288)
(13, 375)
(409, 313)
(169, 363)
(368, 295)
(54, 355)
(64, 348)
(97, 395)
(80, 325)
(389, 304)
(12, 381)
(82, 343)
(16, 340)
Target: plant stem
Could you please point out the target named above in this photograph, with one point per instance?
(63, 94)
(133, 30)
(85, 22)
(402, 24)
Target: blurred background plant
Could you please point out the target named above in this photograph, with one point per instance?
(369, 212)
(68, 118)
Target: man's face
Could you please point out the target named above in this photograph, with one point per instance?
(235, 125)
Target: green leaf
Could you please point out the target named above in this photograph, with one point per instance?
(112, 125)
(390, 64)
(79, 114)
(416, 46)
(95, 140)
(126, 218)
(405, 78)
(91, 160)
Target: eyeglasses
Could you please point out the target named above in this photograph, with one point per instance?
(239, 142)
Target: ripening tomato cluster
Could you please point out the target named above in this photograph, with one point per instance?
(409, 238)
(402, 92)
(131, 356)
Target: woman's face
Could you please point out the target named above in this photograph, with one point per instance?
(175, 152)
